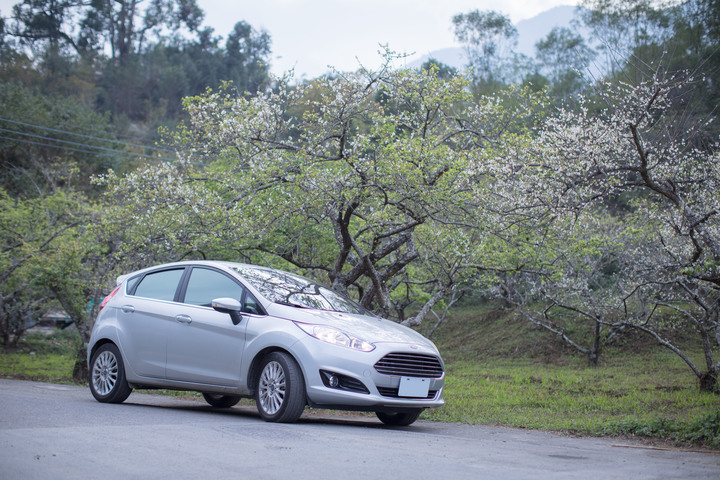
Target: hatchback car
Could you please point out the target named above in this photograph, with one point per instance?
(232, 330)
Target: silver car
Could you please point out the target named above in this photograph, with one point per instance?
(232, 330)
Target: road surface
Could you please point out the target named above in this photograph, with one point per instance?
(52, 431)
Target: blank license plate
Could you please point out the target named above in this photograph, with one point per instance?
(414, 387)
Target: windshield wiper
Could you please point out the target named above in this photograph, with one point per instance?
(290, 304)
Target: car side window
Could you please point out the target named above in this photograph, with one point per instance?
(205, 285)
(132, 283)
(251, 305)
(160, 285)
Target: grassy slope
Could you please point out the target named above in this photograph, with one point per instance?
(502, 371)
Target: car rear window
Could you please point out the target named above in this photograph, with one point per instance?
(160, 285)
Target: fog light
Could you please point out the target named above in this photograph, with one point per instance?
(342, 382)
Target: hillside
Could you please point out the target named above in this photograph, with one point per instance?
(489, 333)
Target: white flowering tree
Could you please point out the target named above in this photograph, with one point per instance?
(355, 178)
(624, 154)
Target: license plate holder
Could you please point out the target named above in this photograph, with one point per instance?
(414, 387)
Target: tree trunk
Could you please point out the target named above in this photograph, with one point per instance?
(81, 372)
(594, 353)
(708, 382)
(416, 320)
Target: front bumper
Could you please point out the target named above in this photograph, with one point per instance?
(362, 387)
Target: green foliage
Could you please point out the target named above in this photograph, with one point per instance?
(148, 87)
(36, 235)
(443, 71)
(133, 60)
(34, 156)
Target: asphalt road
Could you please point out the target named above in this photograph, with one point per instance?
(52, 431)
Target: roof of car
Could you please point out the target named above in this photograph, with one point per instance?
(214, 263)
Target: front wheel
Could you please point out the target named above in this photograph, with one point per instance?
(399, 419)
(280, 389)
(220, 401)
(107, 375)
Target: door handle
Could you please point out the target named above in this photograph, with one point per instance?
(128, 309)
(183, 319)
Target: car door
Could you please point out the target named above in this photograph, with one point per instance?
(145, 318)
(204, 346)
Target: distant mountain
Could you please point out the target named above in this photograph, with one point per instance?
(533, 29)
(529, 32)
(453, 56)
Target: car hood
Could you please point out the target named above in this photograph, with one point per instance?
(371, 329)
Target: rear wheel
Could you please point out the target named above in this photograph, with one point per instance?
(399, 419)
(220, 401)
(107, 375)
(280, 389)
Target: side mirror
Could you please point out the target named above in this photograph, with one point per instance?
(229, 306)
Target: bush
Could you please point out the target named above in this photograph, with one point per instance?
(704, 430)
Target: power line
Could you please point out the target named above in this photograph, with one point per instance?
(84, 147)
(47, 145)
(65, 132)
(79, 150)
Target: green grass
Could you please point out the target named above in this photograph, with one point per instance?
(502, 371)
(582, 400)
(41, 357)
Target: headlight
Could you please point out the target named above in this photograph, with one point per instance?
(336, 337)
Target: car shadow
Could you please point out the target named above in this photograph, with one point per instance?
(310, 415)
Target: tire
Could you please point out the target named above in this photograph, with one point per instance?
(280, 389)
(399, 419)
(220, 401)
(107, 375)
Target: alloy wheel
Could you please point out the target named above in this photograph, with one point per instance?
(105, 373)
(272, 387)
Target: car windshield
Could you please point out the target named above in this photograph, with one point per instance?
(289, 289)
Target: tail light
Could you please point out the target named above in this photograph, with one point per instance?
(107, 299)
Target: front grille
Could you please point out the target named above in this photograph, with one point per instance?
(410, 365)
(393, 393)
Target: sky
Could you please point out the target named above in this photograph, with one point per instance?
(310, 36)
